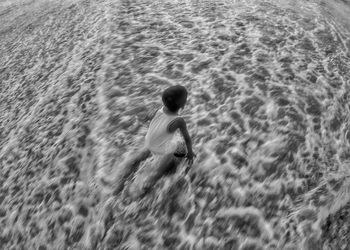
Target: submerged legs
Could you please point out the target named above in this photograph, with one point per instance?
(166, 165)
(130, 167)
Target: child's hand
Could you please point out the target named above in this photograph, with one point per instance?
(190, 156)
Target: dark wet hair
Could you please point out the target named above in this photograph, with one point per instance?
(174, 97)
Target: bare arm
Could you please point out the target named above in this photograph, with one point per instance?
(180, 123)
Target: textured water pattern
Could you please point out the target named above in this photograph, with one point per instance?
(268, 110)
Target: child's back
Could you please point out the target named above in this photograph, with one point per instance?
(158, 138)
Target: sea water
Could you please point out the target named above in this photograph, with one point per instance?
(267, 111)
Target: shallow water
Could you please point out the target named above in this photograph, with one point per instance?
(268, 111)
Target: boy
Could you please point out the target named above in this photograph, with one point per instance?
(159, 138)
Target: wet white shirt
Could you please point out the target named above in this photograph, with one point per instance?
(158, 139)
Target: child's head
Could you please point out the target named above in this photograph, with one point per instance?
(175, 97)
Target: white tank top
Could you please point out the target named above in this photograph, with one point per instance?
(158, 139)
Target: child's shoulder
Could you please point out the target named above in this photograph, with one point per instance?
(177, 123)
(156, 111)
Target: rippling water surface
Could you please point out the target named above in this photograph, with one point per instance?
(268, 111)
